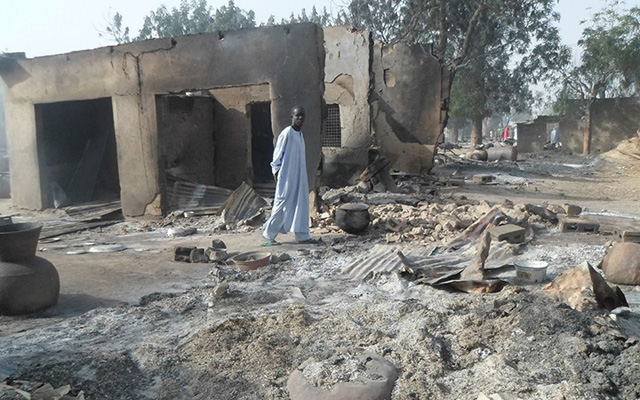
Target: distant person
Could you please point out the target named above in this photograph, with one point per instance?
(555, 137)
(290, 212)
(505, 134)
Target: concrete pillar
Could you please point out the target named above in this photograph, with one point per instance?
(137, 142)
(23, 153)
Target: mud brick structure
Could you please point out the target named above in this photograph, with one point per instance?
(613, 119)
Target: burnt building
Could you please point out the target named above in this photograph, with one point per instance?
(126, 122)
(120, 121)
(391, 97)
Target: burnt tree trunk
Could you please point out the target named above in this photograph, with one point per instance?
(452, 133)
(476, 130)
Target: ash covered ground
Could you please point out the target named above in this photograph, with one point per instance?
(311, 316)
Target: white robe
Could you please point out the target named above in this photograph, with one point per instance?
(555, 137)
(290, 211)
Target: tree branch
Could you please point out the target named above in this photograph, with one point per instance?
(444, 35)
(466, 45)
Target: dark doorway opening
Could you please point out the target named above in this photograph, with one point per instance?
(186, 135)
(187, 140)
(261, 142)
(77, 152)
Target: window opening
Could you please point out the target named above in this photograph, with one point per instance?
(333, 138)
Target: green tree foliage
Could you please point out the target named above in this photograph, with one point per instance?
(610, 60)
(323, 18)
(609, 64)
(385, 18)
(191, 17)
(456, 27)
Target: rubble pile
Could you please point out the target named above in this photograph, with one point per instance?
(415, 211)
(423, 304)
(37, 391)
(429, 218)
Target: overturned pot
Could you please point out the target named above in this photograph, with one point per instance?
(353, 217)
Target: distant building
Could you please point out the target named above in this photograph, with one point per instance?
(613, 120)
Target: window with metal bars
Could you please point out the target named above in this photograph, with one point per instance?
(333, 138)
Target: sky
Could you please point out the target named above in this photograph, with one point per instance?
(44, 27)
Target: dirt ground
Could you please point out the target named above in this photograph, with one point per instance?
(135, 324)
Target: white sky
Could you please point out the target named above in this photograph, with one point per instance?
(42, 27)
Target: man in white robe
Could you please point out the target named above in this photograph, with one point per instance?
(555, 137)
(290, 212)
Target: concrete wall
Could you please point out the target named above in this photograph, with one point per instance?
(614, 120)
(410, 89)
(347, 79)
(289, 58)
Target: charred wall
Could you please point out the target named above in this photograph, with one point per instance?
(133, 74)
(347, 78)
(77, 151)
(392, 97)
(410, 89)
(186, 137)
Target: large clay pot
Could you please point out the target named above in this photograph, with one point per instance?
(19, 241)
(353, 217)
(621, 263)
(27, 283)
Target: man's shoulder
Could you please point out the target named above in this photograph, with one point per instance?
(288, 130)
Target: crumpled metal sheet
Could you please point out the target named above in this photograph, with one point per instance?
(426, 265)
(243, 204)
(185, 195)
(382, 258)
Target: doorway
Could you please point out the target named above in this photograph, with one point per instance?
(186, 137)
(77, 152)
(261, 142)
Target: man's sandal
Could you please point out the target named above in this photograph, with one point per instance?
(271, 242)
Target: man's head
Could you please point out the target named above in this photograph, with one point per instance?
(297, 117)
